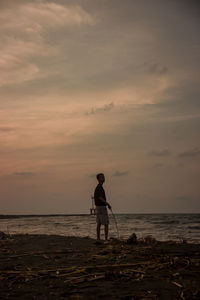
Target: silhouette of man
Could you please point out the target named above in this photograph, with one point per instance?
(101, 209)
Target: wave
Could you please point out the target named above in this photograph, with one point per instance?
(167, 222)
(194, 227)
(161, 226)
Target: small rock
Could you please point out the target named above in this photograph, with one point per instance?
(149, 239)
(132, 239)
(3, 236)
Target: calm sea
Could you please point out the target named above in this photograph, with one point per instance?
(161, 226)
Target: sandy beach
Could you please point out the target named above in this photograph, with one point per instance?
(55, 267)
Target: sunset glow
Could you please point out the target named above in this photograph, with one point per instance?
(99, 86)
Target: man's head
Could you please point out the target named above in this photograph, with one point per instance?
(101, 178)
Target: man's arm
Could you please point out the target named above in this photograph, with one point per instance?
(104, 201)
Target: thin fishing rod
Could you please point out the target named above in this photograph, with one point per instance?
(115, 223)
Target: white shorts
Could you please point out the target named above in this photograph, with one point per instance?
(102, 215)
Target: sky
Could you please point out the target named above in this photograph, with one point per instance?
(91, 86)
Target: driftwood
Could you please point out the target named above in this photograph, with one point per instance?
(43, 253)
(93, 275)
(78, 270)
(177, 284)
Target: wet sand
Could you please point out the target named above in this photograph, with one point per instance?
(56, 267)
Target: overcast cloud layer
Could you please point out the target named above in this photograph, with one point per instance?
(92, 86)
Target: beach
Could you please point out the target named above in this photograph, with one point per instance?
(59, 267)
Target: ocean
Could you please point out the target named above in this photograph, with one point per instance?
(176, 227)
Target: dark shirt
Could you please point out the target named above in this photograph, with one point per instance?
(99, 192)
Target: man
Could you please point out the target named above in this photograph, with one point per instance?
(101, 203)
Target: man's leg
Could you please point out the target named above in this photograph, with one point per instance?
(106, 231)
(98, 231)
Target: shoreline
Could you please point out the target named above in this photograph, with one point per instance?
(60, 267)
(36, 216)
(14, 216)
(110, 239)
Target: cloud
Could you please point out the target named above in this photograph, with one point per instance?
(63, 76)
(158, 165)
(190, 200)
(34, 18)
(102, 109)
(92, 175)
(164, 152)
(6, 129)
(181, 99)
(119, 173)
(23, 174)
(190, 153)
(183, 198)
(24, 29)
(16, 64)
(155, 68)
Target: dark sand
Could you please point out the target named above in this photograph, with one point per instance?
(55, 267)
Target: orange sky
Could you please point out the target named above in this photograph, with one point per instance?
(90, 86)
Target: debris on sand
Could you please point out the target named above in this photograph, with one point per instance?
(55, 267)
(149, 239)
(132, 239)
(3, 236)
